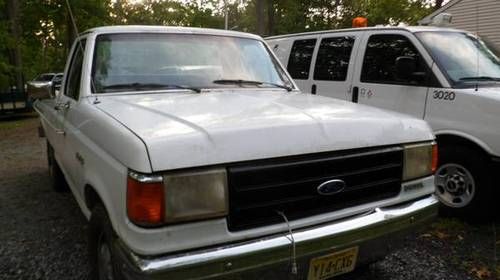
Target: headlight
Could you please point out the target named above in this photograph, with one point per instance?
(195, 195)
(175, 197)
(420, 160)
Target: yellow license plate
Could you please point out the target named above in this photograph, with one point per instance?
(334, 264)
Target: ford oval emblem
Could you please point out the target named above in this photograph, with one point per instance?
(331, 187)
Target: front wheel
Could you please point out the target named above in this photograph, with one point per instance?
(101, 237)
(462, 181)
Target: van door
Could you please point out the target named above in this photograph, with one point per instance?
(378, 82)
(335, 63)
(299, 62)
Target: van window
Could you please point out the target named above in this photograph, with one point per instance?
(299, 62)
(333, 57)
(379, 65)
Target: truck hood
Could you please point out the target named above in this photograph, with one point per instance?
(188, 129)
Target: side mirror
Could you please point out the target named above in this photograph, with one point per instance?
(405, 67)
(52, 90)
(55, 88)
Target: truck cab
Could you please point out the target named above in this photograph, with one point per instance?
(448, 77)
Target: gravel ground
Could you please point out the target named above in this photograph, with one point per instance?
(42, 233)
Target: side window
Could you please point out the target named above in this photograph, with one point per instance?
(72, 88)
(333, 58)
(299, 62)
(379, 64)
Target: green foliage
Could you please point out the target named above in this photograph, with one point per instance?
(47, 30)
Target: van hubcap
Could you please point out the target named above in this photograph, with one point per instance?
(455, 185)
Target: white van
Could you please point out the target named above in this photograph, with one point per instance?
(448, 77)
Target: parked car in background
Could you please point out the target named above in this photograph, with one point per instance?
(13, 100)
(200, 158)
(447, 77)
(40, 87)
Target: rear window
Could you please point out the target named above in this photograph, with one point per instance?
(299, 62)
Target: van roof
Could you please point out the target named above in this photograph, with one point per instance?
(405, 28)
(168, 29)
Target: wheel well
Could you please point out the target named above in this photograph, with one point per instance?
(92, 198)
(453, 140)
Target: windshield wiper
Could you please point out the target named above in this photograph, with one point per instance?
(146, 86)
(480, 78)
(250, 82)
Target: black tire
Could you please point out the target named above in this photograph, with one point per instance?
(59, 183)
(467, 162)
(100, 239)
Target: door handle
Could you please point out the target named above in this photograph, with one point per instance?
(62, 106)
(313, 89)
(59, 131)
(355, 94)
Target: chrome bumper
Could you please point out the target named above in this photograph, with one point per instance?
(375, 233)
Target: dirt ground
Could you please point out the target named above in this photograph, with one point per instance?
(43, 233)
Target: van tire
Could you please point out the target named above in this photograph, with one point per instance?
(100, 246)
(463, 184)
(59, 183)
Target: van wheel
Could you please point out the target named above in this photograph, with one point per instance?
(59, 183)
(462, 181)
(100, 237)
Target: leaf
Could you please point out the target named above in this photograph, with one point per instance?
(441, 235)
(426, 235)
(482, 272)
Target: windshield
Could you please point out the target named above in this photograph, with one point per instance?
(138, 62)
(44, 78)
(464, 58)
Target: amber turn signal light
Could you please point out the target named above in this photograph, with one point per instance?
(435, 157)
(145, 200)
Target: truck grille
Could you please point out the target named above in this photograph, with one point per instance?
(258, 189)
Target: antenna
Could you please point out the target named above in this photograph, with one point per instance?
(477, 48)
(79, 42)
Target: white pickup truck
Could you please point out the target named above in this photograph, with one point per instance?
(448, 77)
(194, 155)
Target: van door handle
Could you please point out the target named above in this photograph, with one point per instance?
(313, 89)
(355, 94)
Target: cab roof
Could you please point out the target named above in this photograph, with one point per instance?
(168, 29)
(411, 29)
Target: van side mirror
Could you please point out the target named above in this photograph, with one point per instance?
(406, 67)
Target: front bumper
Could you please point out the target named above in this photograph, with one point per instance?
(376, 233)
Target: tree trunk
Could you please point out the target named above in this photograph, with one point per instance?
(259, 6)
(270, 17)
(438, 4)
(15, 31)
